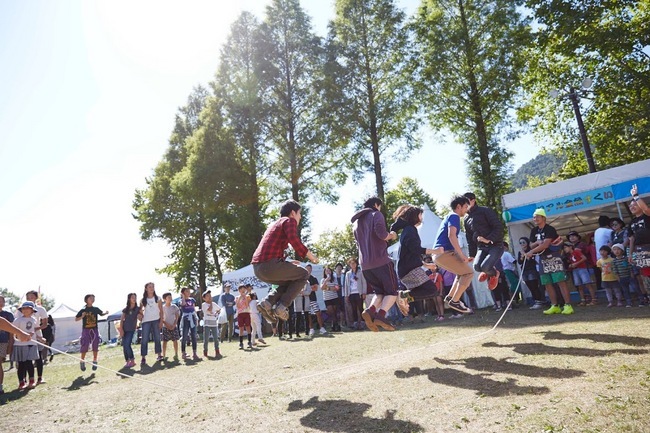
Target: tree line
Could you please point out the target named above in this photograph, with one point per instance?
(293, 114)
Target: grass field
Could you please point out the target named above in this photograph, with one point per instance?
(589, 372)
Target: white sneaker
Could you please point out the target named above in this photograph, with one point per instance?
(323, 331)
(537, 306)
(312, 332)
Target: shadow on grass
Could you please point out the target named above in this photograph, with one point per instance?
(80, 382)
(148, 369)
(492, 365)
(543, 349)
(14, 395)
(476, 382)
(598, 338)
(347, 416)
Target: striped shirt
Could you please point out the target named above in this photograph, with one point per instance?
(621, 267)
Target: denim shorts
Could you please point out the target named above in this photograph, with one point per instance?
(581, 276)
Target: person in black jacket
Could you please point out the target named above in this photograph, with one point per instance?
(485, 240)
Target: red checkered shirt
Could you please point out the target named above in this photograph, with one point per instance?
(276, 240)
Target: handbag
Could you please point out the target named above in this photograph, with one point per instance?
(416, 277)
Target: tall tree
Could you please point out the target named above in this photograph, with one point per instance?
(337, 245)
(239, 87)
(408, 191)
(605, 41)
(469, 63)
(305, 158)
(369, 44)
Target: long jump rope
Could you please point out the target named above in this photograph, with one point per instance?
(302, 378)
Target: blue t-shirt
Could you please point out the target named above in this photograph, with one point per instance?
(442, 238)
(4, 336)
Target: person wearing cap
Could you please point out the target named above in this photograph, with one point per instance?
(242, 302)
(40, 314)
(270, 264)
(26, 352)
(546, 242)
(578, 267)
(485, 240)
(227, 301)
(210, 323)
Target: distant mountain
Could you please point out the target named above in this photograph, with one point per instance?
(543, 168)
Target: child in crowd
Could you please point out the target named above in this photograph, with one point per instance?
(623, 271)
(25, 352)
(189, 322)
(581, 279)
(242, 302)
(609, 279)
(210, 323)
(128, 326)
(256, 319)
(437, 278)
(89, 315)
(170, 332)
(151, 318)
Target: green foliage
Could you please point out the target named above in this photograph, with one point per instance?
(607, 42)
(468, 67)
(408, 191)
(335, 246)
(11, 299)
(305, 158)
(542, 169)
(368, 48)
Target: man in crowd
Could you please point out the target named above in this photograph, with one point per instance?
(227, 301)
(546, 242)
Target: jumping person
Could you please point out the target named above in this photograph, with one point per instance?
(89, 315)
(449, 255)
(270, 266)
(409, 267)
(369, 227)
(485, 240)
(546, 242)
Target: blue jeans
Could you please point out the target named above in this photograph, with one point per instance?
(127, 341)
(186, 329)
(487, 257)
(148, 328)
(207, 330)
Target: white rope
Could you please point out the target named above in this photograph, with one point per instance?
(302, 378)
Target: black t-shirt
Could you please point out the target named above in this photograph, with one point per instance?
(92, 314)
(312, 280)
(640, 229)
(539, 235)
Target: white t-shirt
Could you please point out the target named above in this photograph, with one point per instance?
(210, 317)
(507, 260)
(39, 315)
(151, 311)
(28, 325)
(170, 314)
(602, 236)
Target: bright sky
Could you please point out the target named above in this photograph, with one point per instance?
(88, 94)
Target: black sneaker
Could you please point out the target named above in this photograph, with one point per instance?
(460, 307)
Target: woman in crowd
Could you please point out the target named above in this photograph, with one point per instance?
(151, 316)
(530, 274)
(354, 290)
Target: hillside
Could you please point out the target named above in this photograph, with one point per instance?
(541, 167)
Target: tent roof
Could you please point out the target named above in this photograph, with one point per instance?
(62, 311)
(581, 198)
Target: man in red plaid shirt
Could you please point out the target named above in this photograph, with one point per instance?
(270, 266)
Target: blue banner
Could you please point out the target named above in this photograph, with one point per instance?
(578, 202)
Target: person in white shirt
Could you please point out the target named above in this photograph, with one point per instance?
(40, 314)
(509, 268)
(211, 312)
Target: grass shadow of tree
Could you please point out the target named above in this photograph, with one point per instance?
(543, 349)
(348, 416)
(598, 338)
(81, 381)
(483, 385)
(504, 365)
